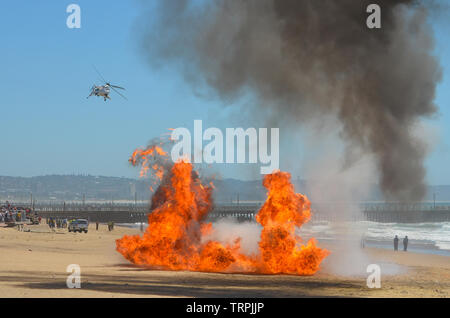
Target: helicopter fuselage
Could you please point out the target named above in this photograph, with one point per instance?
(103, 91)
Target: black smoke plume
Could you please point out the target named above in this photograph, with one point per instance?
(303, 59)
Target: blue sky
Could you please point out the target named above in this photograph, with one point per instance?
(49, 127)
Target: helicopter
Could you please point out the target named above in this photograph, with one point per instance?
(104, 90)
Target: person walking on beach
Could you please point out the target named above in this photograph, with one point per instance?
(96, 226)
(396, 243)
(405, 243)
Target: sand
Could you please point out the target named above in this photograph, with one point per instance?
(33, 264)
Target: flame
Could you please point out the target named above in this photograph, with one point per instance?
(283, 211)
(174, 238)
(141, 156)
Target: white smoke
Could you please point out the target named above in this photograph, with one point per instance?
(335, 187)
(227, 230)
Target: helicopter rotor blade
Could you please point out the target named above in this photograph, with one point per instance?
(118, 92)
(115, 86)
(103, 79)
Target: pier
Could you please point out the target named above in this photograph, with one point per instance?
(375, 212)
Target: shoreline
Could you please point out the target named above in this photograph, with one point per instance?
(417, 247)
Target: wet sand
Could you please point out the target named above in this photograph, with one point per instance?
(33, 264)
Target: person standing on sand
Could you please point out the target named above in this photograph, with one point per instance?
(396, 243)
(405, 243)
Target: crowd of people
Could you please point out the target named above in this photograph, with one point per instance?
(63, 223)
(10, 213)
(58, 223)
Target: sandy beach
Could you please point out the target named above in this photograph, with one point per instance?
(33, 264)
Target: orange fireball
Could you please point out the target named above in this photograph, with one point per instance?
(283, 211)
(176, 226)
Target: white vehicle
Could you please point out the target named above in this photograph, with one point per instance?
(79, 225)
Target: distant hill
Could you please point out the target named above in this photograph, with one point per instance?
(228, 190)
(99, 188)
(72, 187)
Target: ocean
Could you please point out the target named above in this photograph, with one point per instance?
(433, 238)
